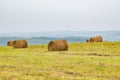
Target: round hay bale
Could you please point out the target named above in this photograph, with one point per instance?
(88, 40)
(10, 43)
(95, 39)
(58, 45)
(20, 44)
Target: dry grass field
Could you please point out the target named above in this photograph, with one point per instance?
(83, 61)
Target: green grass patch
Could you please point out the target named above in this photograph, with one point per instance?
(83, 61)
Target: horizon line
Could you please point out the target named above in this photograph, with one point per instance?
(61, 31)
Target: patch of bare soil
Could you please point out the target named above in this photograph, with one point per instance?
(95, 54)
(98, 76)
(88, 54)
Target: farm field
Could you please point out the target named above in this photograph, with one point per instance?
(83, 61)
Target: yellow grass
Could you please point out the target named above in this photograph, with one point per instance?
(83, 61)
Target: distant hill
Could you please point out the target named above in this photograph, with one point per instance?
(70, 36)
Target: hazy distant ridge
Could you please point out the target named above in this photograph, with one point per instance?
(70, 36)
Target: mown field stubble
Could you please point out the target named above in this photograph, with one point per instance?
(83, 61)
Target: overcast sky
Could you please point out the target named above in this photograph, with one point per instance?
(53, 15)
